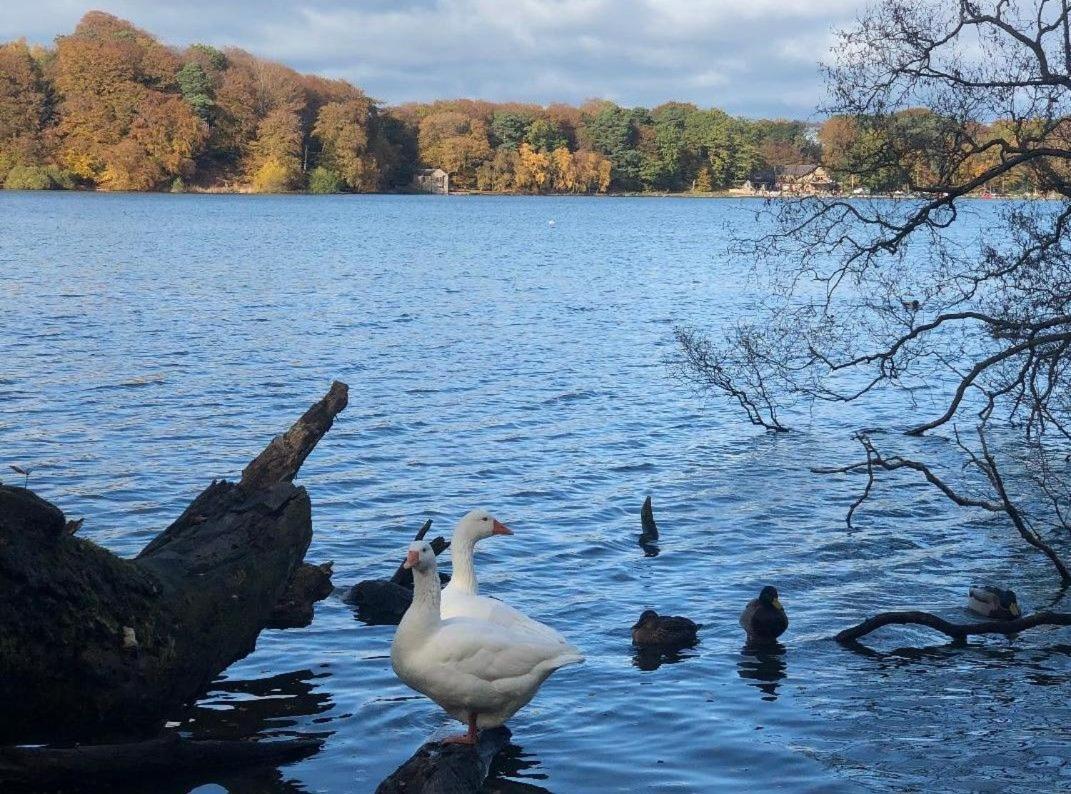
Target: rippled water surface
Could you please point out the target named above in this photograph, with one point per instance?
(152, 343)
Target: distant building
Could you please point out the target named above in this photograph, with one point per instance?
(431, 180)
(801, 179)
(806, 178)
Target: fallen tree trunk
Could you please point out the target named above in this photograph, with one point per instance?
(957, 631)
(95, 646)
(438, 768)
(122, 762)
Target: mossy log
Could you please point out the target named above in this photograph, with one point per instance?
(438, 768)
(93, 646)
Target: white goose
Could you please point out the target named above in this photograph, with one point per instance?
(481, 673)
(461, 598)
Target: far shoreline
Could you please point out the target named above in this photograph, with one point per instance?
(724, 194)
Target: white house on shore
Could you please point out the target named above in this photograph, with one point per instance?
(431, 180)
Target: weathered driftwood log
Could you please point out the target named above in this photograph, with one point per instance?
(95, 646)
(47, 766)
(383, 602)
(438, 768)
(957, 631)
(309, 584)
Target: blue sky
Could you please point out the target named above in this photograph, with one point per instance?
(751, 57)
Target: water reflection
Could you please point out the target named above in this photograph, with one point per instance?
(511, 770)
(764, 667)
(238, 709)
(651, 658)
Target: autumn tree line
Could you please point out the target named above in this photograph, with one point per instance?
(110, 107)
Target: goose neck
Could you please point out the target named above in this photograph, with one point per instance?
(463, 574)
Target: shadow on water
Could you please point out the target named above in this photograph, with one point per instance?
(237, 709)
(510, 773)
(764, 667)
(648, 659)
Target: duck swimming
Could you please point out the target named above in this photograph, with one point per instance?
(461, 598)
(764, 619)
(992, 602)
(654, 630)
(480, 672)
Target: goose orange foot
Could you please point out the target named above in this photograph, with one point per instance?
(464, 738)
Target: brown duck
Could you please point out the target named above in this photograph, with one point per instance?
(654, 630)
(764, 618)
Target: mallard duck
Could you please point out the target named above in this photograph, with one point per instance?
(764, 618)
(481, 673)
(654, 630)
(461, 597)
(992, 602)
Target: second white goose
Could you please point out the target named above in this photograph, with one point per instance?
(461, 597)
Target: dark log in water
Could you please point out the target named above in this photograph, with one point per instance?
(957, 631)
(95, 646)
(438, 768)
(47, 766)
(309, 584)
(383, 602)
(649, 530)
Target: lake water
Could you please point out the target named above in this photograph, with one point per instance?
(151, 343)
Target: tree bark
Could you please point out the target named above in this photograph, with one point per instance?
(95, 646)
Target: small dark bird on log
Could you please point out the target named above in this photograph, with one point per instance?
(764, 618)
(665, 631)
(993, 602)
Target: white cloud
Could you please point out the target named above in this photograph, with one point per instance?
(757, 57)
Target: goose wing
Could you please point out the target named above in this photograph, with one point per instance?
(496, 653)
(491, 610)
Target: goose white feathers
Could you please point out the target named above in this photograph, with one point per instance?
(479, 672)
(461, 598)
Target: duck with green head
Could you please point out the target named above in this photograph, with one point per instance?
(993, 602)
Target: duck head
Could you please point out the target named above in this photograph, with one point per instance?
(421, 557)
(479, 524)
(1010, 602)
(648, 616)
(769, 597)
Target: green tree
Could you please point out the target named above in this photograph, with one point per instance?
(544, 136)
(324, 180)
(196, 88)
(509, 129)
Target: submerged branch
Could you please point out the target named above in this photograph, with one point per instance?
(957, 631)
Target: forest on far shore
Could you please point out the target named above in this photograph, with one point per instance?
(109, 107)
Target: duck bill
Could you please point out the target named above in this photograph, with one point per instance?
(411, 559)
(1015, 611)
(777, 603)
(498, 528)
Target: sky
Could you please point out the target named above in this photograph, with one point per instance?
(749, 57)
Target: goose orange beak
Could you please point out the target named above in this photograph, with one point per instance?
(411, 559)
(498, 528)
